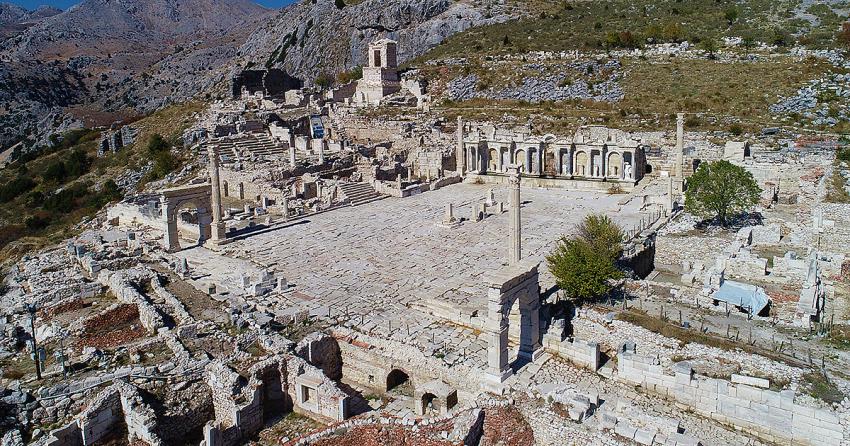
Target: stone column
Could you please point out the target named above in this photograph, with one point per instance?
(240, 188)
(218, 232)
(172, 236)
(322, 152)
(680, 144)
(459, 152)
(671, 201)
(515, 250)
(292, 156)
(286, 208)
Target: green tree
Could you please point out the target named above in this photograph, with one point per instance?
(340, 4)
(721, 190)
(324, 81)
(780, 37)
(674, 33)
(159, 151)
(748, 40)
(709, 45)
(731, 15)
(584, 265)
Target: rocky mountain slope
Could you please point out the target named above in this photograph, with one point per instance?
(107, 59)
(15, 19)
(310, 38)
(103, 55)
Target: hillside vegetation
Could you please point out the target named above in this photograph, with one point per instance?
(566, 25)
(742, 58)
(45, 194)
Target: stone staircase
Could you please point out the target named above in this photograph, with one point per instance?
(359, 193)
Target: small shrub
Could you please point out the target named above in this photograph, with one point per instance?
(37, 222)
(14, 188)
(736, 129)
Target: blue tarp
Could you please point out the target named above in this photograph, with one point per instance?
(749, 298)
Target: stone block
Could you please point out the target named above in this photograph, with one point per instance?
(751, 381)
(626, 430)
(644, 437)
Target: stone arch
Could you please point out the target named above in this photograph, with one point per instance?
(197, 196)
(614, 165)
(430, 403)
(516, 284)
(397, 378)
(519, 160)
(581, 163)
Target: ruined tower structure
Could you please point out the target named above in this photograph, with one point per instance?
(380, 75)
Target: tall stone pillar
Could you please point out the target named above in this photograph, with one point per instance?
(218, 232)
(515, 249)
(671, 200)
(292, 156)
(459, 152)
(322, 152)
(680, 144)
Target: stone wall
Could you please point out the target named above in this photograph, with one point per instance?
(177, 307)
(368, 360)
(551, 183)
(322, 351)
(581, 353)
(241, 405)
(118, 404)
(119, 284)
(773, 416)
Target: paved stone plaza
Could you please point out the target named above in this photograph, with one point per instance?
(369, 265)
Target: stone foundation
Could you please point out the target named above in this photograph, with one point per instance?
(773, 416)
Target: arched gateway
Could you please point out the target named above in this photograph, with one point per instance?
(198, 196)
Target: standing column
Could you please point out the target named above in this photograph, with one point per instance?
(515, 253)
(322, 151)
(459, 152)
(218, 231)
(671, 201)
(292, 156)
(680, 145)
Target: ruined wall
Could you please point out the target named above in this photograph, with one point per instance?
(120, 404)
(322, 351)
(582, 353)
(253, 186)
(771, 415)
(102, 416)
(366, 363)
(119, 284)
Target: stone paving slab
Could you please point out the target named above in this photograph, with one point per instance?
(375, 261)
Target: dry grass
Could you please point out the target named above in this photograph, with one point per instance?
(685, 336)
(722, 94)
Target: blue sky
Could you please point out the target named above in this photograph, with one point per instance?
(65, 4)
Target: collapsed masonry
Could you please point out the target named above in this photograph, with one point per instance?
(241, 404)
(115, 139)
